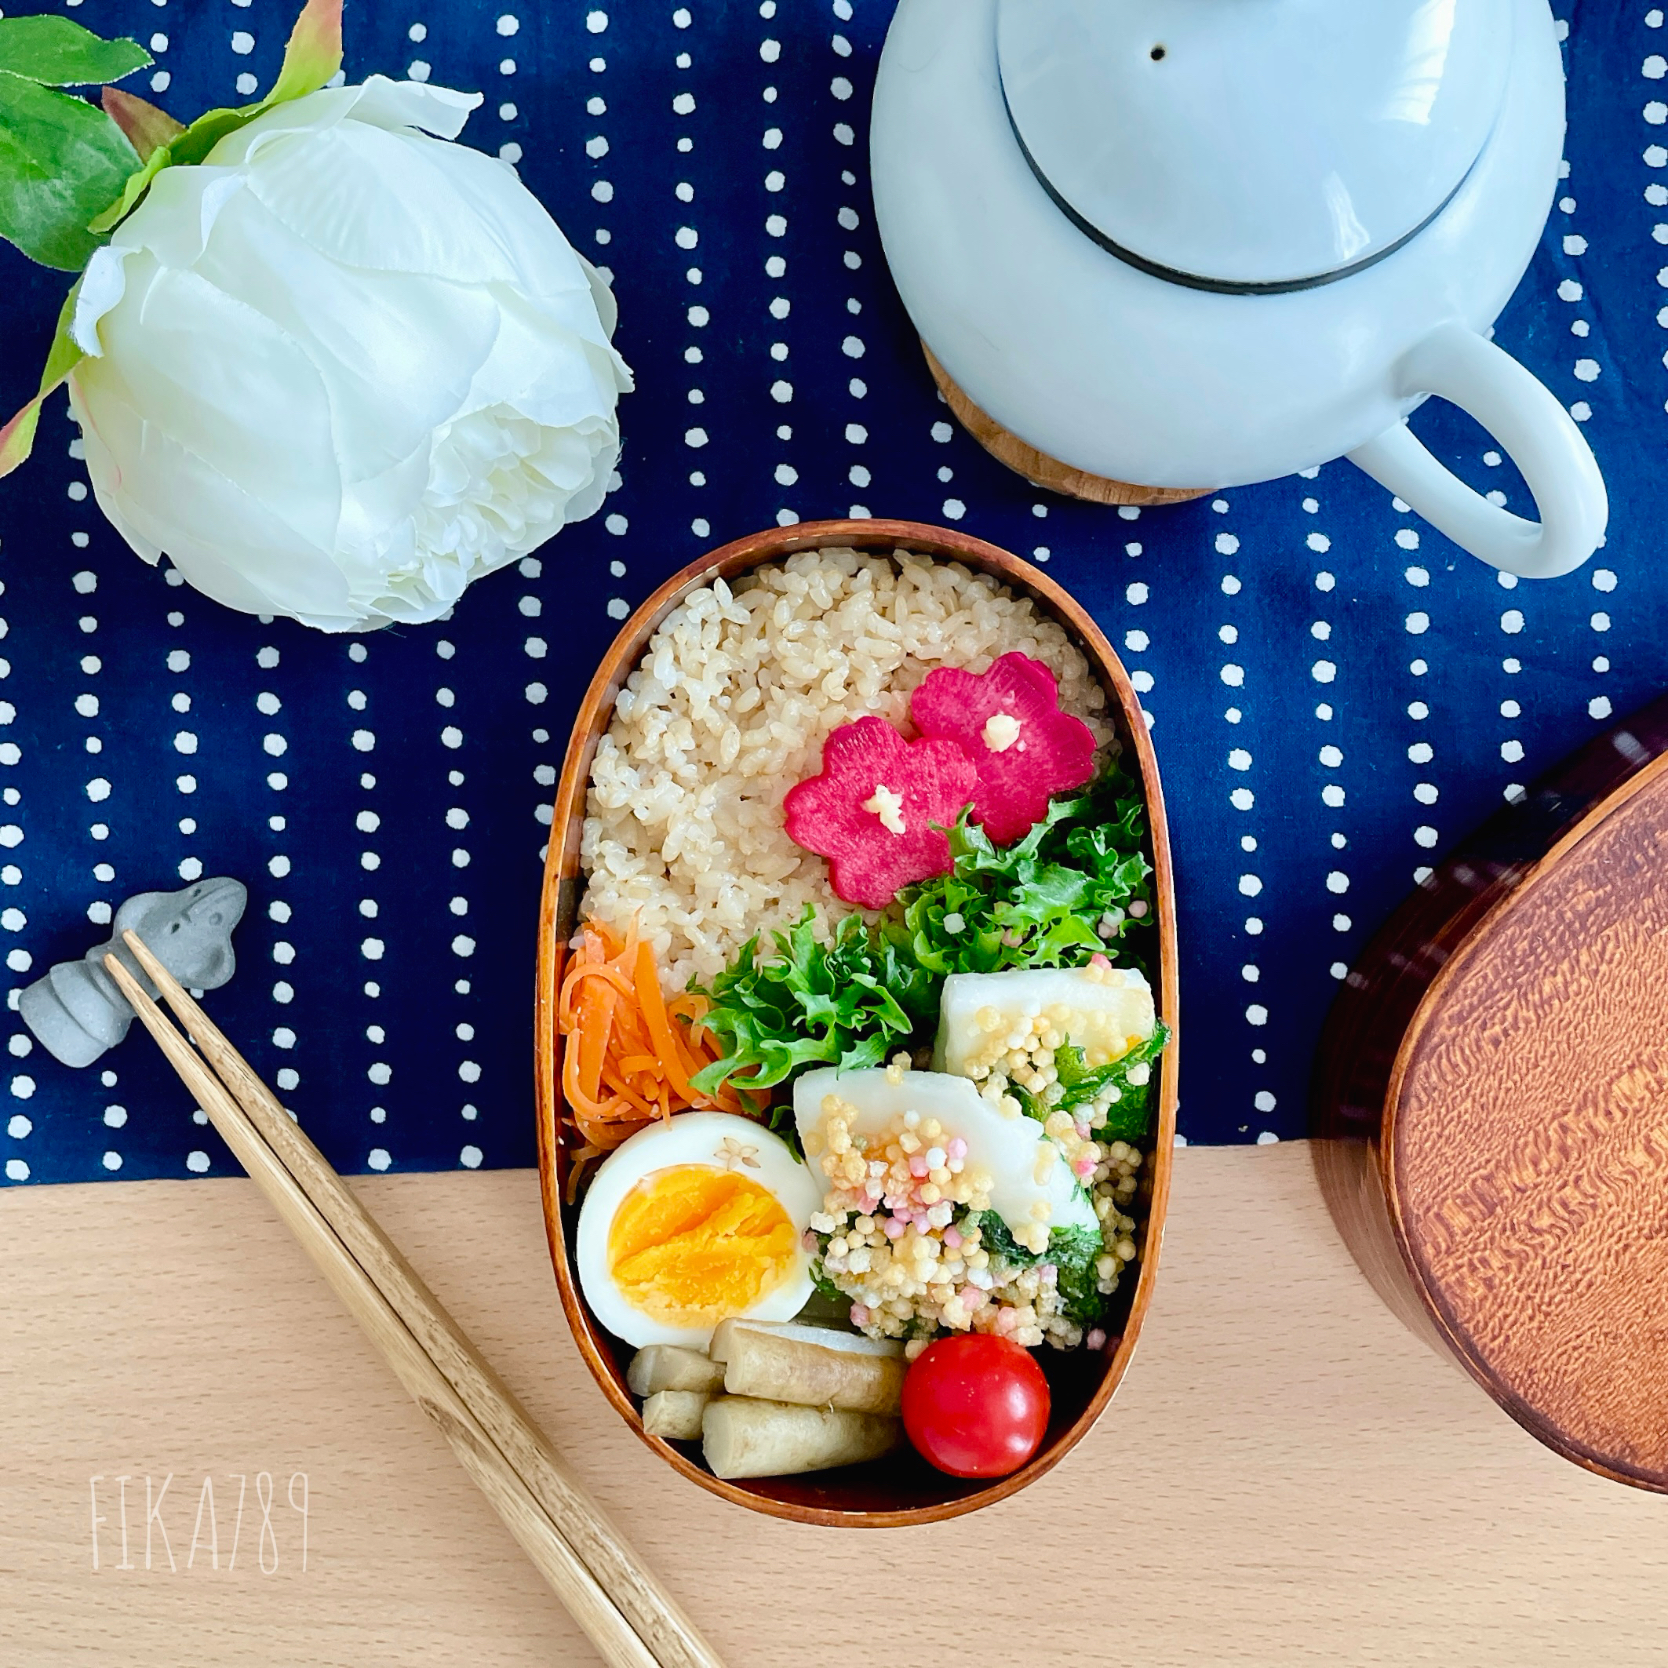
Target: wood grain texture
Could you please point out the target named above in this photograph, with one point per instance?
(1038, 467)
(902, 1489)
(628, 1618)
(1277, 1435)
(1529, 1160)
(1492, 1084)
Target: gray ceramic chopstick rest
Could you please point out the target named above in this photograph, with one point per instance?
(77, 1012)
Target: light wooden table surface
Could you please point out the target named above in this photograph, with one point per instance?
(1286, 1477)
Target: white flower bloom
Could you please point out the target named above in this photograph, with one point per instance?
(343, 368)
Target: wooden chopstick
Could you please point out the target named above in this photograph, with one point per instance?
(651, 1610)
(434, 1394)
(618, 1602)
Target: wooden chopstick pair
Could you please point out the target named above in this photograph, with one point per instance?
(631, 1620)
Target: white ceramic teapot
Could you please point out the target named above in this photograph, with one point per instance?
(1197, 243)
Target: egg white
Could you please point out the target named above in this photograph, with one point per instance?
(1006, 1148)
(691, 1138)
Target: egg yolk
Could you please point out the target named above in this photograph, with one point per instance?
(692, 1245)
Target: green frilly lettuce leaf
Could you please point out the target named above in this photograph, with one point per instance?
(850, 1003)
(1077, 883)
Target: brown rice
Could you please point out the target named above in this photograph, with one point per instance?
(730, 706)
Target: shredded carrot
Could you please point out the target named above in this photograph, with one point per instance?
(596, 1020)
(628, 1054)
(583, 977)
(653, 1008)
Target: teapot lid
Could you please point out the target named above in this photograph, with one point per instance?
(1252, 144)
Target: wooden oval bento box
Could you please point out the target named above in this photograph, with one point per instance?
(1489, 1104)
(902, 1489)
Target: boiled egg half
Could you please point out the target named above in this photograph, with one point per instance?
(693, 1221)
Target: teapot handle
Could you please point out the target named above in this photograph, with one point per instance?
(1523, 415)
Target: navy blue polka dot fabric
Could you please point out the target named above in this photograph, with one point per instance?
(1337, 694)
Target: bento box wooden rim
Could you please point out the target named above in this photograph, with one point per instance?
(562, 865)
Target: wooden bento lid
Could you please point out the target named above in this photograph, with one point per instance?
(1518, 1013)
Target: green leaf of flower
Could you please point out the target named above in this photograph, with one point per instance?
(138, 183)
(17, 437)
(209, 129)
(312, 56)
(59, 53)
(148, 129)
(313, 53)
(61, 161)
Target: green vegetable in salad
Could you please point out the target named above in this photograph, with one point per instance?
(851, 1003)
(997, 1238)
(1051, 899)
(1075, 1253)
(1128, 1117)
(834, 1301)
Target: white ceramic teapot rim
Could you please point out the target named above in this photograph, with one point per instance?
(1250, 145)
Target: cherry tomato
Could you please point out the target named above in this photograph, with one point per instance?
(975, 1405)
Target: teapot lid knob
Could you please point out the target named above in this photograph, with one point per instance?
(1253, 144)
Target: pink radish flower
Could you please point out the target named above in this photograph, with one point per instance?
(1008, 722)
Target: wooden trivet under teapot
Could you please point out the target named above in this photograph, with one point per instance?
(1491, 1107)
(1038, 467)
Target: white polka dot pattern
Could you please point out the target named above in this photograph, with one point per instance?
(1336, 694)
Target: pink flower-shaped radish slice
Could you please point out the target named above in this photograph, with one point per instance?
(871, 811)
(1008, 722)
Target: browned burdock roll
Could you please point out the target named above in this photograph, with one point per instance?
(742, 1437)
(811, 1365)
(668, 1367)
(674, 1414)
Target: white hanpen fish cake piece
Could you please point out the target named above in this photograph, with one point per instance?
(1021, 1162)
(1105, 1011)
